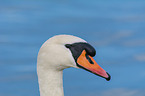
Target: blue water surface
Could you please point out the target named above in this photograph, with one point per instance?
(116, 28)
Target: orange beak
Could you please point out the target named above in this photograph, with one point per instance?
(88, 63)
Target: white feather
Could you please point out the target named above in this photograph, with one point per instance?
(53, 57)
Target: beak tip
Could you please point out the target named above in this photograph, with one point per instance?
(109, 77)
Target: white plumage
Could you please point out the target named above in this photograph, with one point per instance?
(53, 57)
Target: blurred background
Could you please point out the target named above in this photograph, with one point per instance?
(116, 28)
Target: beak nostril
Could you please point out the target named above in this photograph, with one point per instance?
(89, 59)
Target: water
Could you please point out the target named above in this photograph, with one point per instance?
(114, 28)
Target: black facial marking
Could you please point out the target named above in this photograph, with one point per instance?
(77, 48)
(89, 59)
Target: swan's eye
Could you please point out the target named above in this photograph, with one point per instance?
(89, 59)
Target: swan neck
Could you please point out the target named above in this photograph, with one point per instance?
(50, 82)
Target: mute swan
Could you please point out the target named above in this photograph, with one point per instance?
(60, 52)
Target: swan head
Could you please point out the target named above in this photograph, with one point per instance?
(64, 51)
